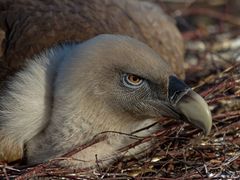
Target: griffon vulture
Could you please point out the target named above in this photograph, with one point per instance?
(63, 83)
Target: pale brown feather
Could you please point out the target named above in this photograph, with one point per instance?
(32, 26)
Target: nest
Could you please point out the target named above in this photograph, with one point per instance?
(181, 151)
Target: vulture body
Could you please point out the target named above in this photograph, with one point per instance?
(63, 83)
(29, 27)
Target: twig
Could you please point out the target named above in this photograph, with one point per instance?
(211, 13)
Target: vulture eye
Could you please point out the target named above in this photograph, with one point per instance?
(132, 81)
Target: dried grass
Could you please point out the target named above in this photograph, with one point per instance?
(180, 151)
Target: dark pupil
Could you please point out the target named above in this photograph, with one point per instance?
(134, 78)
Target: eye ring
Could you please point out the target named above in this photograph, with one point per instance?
(132, 81)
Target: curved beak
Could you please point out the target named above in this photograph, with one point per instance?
(189, 105)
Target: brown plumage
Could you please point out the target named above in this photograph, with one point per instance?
(31, 26)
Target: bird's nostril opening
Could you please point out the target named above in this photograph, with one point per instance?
(176, 87)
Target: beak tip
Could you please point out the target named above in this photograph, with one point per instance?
(189, 104)
(207, 130)
(206, 122)
(196, 110)
(207, 125)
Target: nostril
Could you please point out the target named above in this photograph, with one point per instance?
(175, 88)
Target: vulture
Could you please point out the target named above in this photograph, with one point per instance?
(71, 70)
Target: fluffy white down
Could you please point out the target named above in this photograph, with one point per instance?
(25, 105)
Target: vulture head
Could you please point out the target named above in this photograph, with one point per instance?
(129, 78)
(73, 92)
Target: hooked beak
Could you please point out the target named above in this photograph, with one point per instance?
(189, 105)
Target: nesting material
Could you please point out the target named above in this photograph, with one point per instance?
(180, 151)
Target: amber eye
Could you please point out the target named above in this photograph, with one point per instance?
(131, 80)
